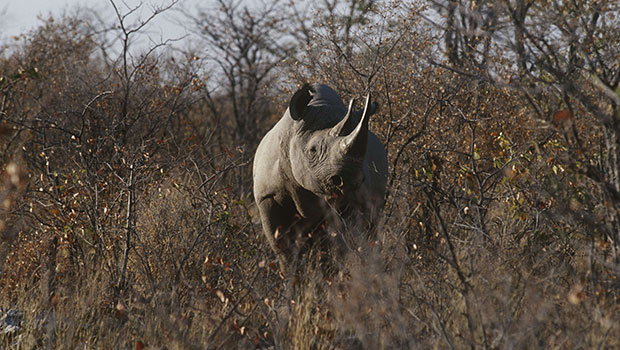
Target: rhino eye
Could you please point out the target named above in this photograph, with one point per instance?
(312, 152)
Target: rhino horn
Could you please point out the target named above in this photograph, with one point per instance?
(338, 129)
(354, 144)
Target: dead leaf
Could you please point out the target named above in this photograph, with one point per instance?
(576, 294)
(120, 311)
(561, 116)
(220, 295)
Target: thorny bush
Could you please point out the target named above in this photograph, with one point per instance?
(125, 217)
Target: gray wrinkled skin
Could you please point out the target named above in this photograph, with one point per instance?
(318, 167)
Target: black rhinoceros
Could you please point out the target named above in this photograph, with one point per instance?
(316, 168)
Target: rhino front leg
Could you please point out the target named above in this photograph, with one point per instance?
(277, 223)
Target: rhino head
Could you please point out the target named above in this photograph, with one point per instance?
(328, 144)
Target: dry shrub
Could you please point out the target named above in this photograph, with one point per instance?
(366, 306)
(498, 229)
(306, 321)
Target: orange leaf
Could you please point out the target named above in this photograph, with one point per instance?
(561, 116)
(273, 266)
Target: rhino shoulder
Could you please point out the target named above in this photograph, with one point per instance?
(268, 180)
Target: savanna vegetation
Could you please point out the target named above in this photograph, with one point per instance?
(126, 214)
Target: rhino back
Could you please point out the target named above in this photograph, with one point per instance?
(376, 167)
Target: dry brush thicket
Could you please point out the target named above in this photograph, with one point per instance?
(125, 218)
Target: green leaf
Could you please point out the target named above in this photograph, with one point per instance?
(32, 73)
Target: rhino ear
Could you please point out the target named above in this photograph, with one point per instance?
(300, 101)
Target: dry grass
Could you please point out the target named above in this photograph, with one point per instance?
(384, 297)
(130, 225)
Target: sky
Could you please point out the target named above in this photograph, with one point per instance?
(19, 16)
